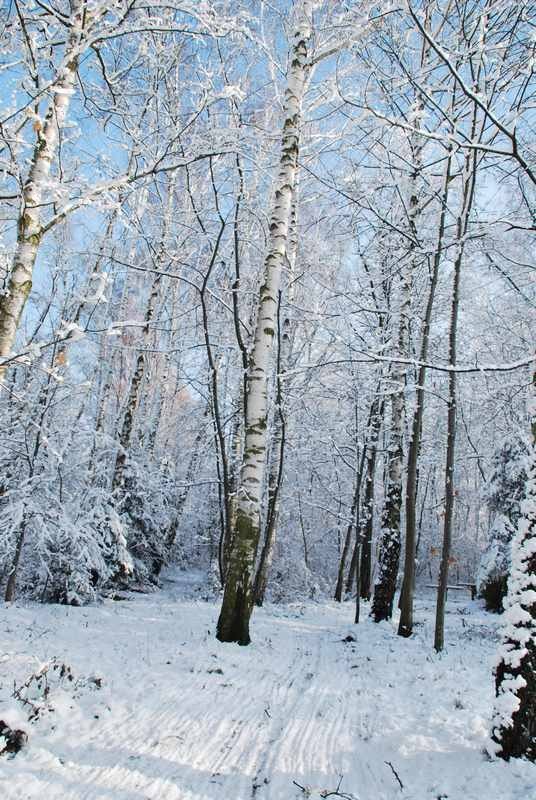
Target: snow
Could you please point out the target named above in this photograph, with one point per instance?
(70, 330)
(519, 628)
(159, 709)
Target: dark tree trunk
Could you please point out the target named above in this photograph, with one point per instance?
(363, 549)
(515, 677)
(353, 524)
(11, 586)
(345, 550)
(237, 605)
(405, 627)
(385, 588)
(372, 429)
(367, 528)
(462, 225)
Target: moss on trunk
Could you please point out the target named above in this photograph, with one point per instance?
(237, 605)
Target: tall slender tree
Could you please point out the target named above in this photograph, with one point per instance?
(233, 622)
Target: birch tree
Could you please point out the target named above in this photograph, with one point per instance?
(285, 340)
(233, 622)
(45, 199)
(48, 131)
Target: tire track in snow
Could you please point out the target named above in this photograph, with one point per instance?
(287, 697)
(300, 730)
(318, 740)
(256, 739)
(205, 733)
(216, 721)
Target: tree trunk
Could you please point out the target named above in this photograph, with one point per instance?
(234, 474)
(462, 225)
(405, 627)
(233, 622)
(347, 541)
(11, 585)
(367, 511)
(29, 232)
(354, 516)
(136, 383)
(127, 426)
(285, 338)
(265, 561)
(384, 590)
(274, 486)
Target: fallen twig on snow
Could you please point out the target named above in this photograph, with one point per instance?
(395, 773)
(307, 790)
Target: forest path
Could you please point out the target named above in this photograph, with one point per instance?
(181, 716)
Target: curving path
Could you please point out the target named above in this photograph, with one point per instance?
(182, 717)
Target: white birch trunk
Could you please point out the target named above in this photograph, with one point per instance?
(286, 334)
(233, 623)
(29, 235)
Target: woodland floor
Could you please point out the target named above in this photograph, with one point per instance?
(179, 716)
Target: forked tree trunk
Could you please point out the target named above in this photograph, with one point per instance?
(462, 225)
(385, 588)
(29, 232)
(405, 627)
(285, 334)
(233, 622)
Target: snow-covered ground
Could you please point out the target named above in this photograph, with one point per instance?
(158, 709)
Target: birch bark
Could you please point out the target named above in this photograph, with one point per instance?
(285, 342)
(233, 622)
(29, 226)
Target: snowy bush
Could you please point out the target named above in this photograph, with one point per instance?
(507, 484)
(504, 495)
(492, 578)
(146, 512)
(515, 677)
(71, 549)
